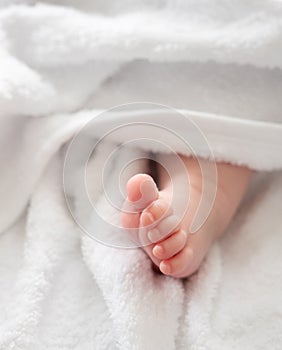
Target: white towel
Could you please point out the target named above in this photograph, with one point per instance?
(65, 62)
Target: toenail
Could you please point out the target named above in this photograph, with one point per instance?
(184, 233)
(165, 268)
(149, 216)
(158, 250)
(148, 186)
(154, 235)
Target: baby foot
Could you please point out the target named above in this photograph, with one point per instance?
(166, 238)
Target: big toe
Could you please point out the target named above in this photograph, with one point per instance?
(141, 191)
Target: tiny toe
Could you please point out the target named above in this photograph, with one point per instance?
(170, 246)
(164, 229)
(156, 211)
(148, 250)
(146, 219)
(177, 264)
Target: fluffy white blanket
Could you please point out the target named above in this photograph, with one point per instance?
(60, 289)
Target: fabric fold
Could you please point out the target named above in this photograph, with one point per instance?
(209, 75)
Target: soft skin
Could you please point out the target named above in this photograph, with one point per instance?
(176, 252)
